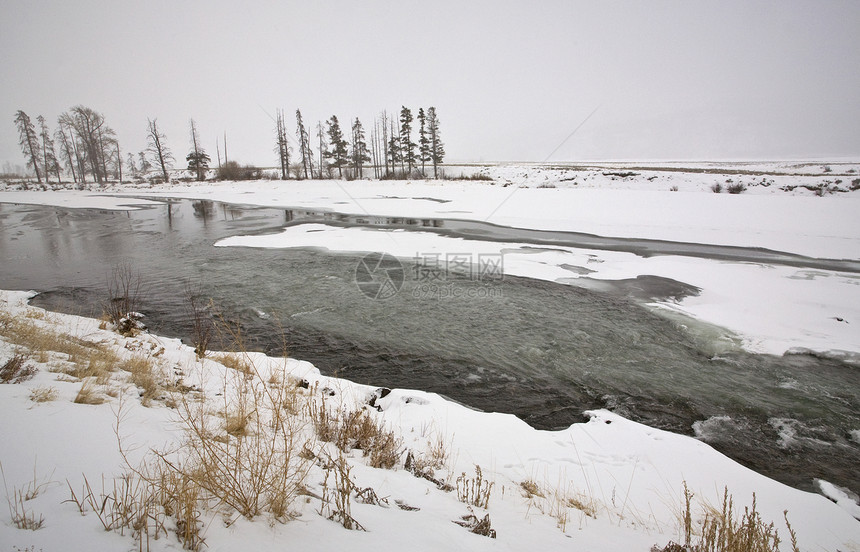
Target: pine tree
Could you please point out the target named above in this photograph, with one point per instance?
(437, 150)
(29, 141)
(360, 155)
(338, 148)
(423, 140)
(197, 160)
(48, 154)
(407, 146)
(158, 149)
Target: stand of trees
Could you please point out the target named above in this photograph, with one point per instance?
(390, 149)
(83, 145)
(87, 146)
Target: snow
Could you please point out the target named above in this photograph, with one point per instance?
(73, 199)
(631, 474)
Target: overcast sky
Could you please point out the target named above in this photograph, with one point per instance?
(510, 79)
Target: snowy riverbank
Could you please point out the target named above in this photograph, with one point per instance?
(608, 484)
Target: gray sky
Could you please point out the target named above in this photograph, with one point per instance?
(510, 79)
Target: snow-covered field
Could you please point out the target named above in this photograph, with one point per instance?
(629, 476)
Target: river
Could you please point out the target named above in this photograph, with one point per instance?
(543, 351)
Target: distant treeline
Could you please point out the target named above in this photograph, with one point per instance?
(84, 146)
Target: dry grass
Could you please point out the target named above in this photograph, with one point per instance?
(721, 530)
(43, 393)
(478, 526)
(88, 394)
(335, 504)
(80, 358)
(531, 489)
(557, 502)
(357, 430)
(130, 505)
(236, 361)
(21, 516)
(143, 375)
(16, 370)
(474, 491)
(256, 469)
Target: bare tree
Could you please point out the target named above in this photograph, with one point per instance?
(283, 146)
(118, 162)
(158, 149)
(93, 139)
(29, 141)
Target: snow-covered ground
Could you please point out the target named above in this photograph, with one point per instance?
(632, 473)
(608, 484)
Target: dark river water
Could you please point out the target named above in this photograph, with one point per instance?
(540, 350)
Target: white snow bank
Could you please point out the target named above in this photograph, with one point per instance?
(74, 199)
(630, 474)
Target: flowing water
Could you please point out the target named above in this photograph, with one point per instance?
(543, 351)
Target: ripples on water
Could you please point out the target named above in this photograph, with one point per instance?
(543, 351)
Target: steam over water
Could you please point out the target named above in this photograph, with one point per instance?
(540, 350)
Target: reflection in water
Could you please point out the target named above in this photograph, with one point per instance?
(540, 350)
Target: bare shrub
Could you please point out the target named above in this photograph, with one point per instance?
(737, 188)
(717, 188)
(16, 370)
(125, 294)
(201, 324)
